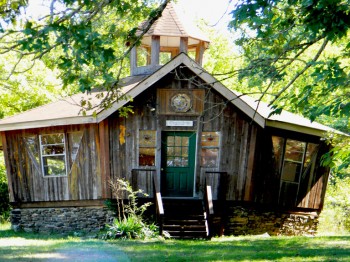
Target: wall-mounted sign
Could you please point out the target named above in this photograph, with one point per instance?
(179, 123)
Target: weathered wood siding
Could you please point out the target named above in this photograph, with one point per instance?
(238, 136)
(27, 183)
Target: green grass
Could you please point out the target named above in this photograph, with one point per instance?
(33, 247)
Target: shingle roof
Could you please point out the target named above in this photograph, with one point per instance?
(174, 23)
(68, 111)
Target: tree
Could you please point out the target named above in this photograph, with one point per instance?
(297, 56)
(89, 40)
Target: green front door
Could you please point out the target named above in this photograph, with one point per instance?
(178, 158)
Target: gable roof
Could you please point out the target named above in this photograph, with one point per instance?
(68, 111)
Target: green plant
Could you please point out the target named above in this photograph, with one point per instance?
(335, 217)
(4, 194)
(129, 222)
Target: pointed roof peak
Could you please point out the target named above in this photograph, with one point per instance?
(173, 22)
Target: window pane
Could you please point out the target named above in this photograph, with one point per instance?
(291, 171)
(147, 138)
(310, 152)
(147, 147)
(294, 150)
(185, 141)
(52, 139)
(210, 139)
(288, 194)
(170, 140)
(209, 157)
(143, 56)
(277, 143)
(147, 157)
(164, 57)
(53, 155)
(170, 151)
(53, 150)
(170, 162)
(177, 140)
(54, 165)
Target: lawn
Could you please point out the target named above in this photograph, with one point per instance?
(33, 247)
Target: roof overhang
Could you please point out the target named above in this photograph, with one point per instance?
(259, 112)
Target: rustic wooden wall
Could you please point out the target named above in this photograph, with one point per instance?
(27, 183)
(109, 151)
(238, 134)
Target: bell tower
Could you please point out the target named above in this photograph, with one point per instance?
(170, 35)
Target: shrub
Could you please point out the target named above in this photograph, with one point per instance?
(335, 217)
(129, 222)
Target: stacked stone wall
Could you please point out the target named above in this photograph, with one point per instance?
(61, 220)
(249, 221)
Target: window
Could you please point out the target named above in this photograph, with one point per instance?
(210, 142)
(143, 56)
(53, 155)
(147, 148)
(177, 147)
(294, 159)
(164, 57)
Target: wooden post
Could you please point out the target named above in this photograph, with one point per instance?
(155, 50)
(184, 45)
(133, 60)
(199, 53)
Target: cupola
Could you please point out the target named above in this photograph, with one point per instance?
(170, 35)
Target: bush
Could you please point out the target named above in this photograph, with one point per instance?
(129, 222)
(4, 194)
(335, 217)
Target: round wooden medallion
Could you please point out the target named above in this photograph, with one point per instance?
(181, 103)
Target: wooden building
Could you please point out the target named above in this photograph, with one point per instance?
(191, 144)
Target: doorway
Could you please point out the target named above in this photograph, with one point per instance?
(178, 163)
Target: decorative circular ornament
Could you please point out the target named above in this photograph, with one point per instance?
(181, 103)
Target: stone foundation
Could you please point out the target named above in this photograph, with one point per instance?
(61, 220)
(248, 221)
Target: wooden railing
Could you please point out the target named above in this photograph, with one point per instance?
(221, 187)
(209, 207)
(159, 203)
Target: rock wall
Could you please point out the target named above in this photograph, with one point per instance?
(61, 220)
(250, 221)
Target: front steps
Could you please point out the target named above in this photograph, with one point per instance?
(185, 219)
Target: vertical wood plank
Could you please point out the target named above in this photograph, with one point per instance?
(251, 160)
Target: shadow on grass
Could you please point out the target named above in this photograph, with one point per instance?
(243, 249)
(37, 247)
(21, 246)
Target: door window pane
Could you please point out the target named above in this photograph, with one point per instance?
(177, 151)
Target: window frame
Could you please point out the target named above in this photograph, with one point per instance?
(150, 147)
(218, 147)
(301, 171)
(64, 154)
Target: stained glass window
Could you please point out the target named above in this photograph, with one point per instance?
(147, 147)
(210, 143)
